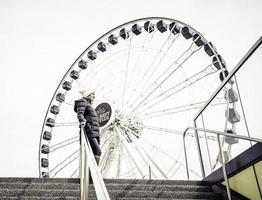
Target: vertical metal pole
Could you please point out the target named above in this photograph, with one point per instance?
(199, 152)
(208, 152)
(242, 107)
(184, 144)
(86, 184)
(81, 167)
(224, 168)
(84, 169)
(149, 168)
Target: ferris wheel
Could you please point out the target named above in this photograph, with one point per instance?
(150, 77)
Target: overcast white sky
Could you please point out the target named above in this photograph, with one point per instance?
(39, 40)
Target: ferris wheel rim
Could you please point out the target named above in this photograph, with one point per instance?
(89, 48)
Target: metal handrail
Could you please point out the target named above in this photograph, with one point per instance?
(230, 75)
(218, 133)
(221, 86)
(252, 139)
(87, 161)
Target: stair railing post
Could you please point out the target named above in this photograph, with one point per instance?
(224, 167)
(149, 168)
(81, 165)
(199, 151)
(84, 169)
(86, 180)
(90, 163)
(185, 152)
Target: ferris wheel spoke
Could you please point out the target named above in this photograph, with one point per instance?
(171, 110)
(68, 103)
(143, 90)
(79, 84)
(126, 70)
(107, 62)
(119, 161)
(63, 164)
(176, 89)
(165, 130)
(174, 110)
(171, 157)
(131, 169)
(137, 148)
(178, 63)
(61, 144)
(165, 113)
(62, 168)
(162, 54)
(143, 51)
(116, 171)
(105, 142)
(96, 69)
(106, 136)
(147, 82)
(63, 124)
(146, 158)
(105, 159)
(74, 172)
(151, 128)
(109, 161)
(175, 162)
(155, 164)
(129, 149)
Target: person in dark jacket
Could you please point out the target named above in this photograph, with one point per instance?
(88, 119)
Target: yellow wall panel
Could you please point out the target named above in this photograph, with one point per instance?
(245, 183)
(258, 167)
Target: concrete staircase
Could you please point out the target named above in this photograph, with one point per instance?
(69, 189)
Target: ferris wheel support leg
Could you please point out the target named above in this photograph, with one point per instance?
(104, 159)
(155, 164)
(129, 150)
(119, 162)
(139, 149)
(108, 164)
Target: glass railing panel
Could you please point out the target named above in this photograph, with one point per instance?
(235, 109)
(192, 157)
(214, 118)
(249, 82)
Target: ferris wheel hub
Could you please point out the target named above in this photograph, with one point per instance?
(107, 116)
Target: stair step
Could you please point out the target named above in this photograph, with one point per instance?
(42, 198)
(109, 186)
(160, 194)
(158, 182)
(152, 187)
(119, 189)
(78, 198)
(39, 180)
(40, 186)
(117, 181)
(113, 194)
